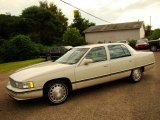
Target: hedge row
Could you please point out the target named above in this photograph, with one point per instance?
(18, 48)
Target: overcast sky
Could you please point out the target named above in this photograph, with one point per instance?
(114, 11)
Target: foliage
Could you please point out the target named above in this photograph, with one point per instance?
(6, 25)
(81, 23)
(148, 31)
(155, 35)
(44, 25)
(61, 19)
(73, 37)
(39, 26)
(132, 43)
(19, 47)
(5, 67)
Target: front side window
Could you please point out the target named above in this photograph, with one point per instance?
(54, 50)
(97, 54)
(118, 51)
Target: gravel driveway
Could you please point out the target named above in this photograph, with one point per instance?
(117, 100)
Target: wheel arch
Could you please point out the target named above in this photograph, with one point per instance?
(65, 80)
(132, 72)
(142, 68)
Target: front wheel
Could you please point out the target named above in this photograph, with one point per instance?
(48, 57)
(56, 92)
(136, 75)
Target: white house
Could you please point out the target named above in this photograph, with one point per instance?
(115, 32)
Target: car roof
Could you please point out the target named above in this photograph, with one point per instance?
(98, 45)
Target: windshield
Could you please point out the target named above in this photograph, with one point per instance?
(72, 56)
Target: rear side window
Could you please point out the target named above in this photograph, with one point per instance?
(118, 51)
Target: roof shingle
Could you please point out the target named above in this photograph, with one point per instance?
(114, 27)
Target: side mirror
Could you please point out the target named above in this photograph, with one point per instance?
(87, 61)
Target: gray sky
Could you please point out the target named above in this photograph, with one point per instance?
(115, 11)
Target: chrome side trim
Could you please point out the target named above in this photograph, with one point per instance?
(89, 79)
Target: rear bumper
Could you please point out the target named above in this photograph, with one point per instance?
(22, 94)
(142, 47)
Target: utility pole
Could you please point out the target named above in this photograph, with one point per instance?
(150, 25)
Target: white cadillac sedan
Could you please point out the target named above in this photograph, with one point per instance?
(80, 67)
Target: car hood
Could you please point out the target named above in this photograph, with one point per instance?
(38, 69)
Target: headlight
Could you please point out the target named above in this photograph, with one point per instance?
(21, 85)
(24, 85)
(28, 85)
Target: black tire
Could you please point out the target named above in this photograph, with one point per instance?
(136, 75)
(48, 57)
(56, 92)
(153, 48)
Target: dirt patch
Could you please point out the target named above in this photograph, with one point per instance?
(114, 100)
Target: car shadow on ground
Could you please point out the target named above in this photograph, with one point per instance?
(30, 103)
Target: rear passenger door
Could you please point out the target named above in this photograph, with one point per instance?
(121, 61)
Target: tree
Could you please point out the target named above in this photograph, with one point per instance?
(40, 24)
(155, 35)
(60, 22)
(7, 25)
(11, 26)
(73, 37)
(148, 31)
(80, 23)
(46, 23)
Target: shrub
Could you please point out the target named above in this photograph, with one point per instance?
(73, 37)
(155, 35)
(132, 43)
(19, 47)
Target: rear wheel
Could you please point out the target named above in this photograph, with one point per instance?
(56, 92)
(153, 48)
(136, 75)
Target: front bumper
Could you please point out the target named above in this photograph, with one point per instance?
(24, 94)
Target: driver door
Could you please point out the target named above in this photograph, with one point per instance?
(93, 73)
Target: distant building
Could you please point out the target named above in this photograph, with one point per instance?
(115, 32)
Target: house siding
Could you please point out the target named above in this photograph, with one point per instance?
(113, 36)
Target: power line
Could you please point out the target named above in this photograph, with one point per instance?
(85, 11)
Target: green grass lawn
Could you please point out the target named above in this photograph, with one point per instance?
(5, 67)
